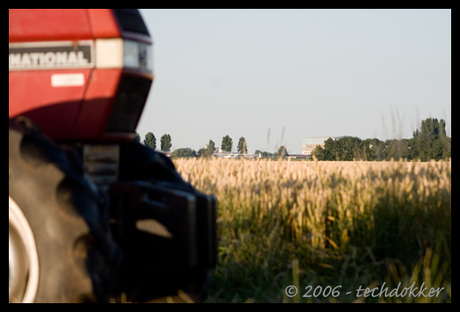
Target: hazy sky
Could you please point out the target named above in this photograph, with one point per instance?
(253, 73)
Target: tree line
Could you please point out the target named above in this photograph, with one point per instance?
(166, 144)
(151, 141)
(430, 142)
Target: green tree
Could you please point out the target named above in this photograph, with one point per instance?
(363, 150)
(202, 152)
(446, 147)
(318, 153)
(150, 141)
(331, 149)
(375, 149)
(227, 144)
(137, 138)
(262, 153)
(397, 149)
(282, 152)
(242, 147)
(348, 148)
(165, 143)
(431, 141)
(211, 147)
(208, 151)
(326, 153)
(183, 152)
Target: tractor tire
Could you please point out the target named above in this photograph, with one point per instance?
(60, 248)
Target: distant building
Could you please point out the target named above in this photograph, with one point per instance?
(296, 156)
(309, 144)
(236, 155)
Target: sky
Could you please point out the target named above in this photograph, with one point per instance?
(277, 76)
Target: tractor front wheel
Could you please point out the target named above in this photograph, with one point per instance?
(60, 249)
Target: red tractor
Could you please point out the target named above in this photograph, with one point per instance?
(95, 216)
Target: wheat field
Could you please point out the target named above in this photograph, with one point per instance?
(318, 224)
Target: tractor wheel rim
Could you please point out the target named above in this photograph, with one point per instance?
(23, 257)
